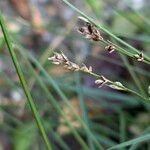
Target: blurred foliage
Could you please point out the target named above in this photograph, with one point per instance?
(74, 111)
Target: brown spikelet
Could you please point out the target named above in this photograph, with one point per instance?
(89, 31)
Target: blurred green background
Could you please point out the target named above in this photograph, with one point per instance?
(110, 117)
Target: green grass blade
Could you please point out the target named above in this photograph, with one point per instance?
(134, 146)
(62, 95)
(93, 5)
(118, 63)
(131, 50)
(83, 107)
(122, 123)
(135, 79)
(96, 93)
(130, 142)
(133, 75)
(104, 129)
(141, 17)
(52, 100)
(64, 98)
(24, 85)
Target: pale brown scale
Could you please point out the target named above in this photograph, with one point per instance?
(89, 31)
(110, 48)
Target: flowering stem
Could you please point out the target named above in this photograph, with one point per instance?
(113, 83)
(130, 53)
(61, 59)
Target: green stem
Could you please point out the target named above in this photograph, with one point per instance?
(134, 50)
(125, 88)
(133, 74)
(51, 98)
(83, 108)
(64, 98)
(23, 83)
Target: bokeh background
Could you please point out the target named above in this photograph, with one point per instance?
(39, 27)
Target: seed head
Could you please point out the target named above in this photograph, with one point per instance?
(71, 66)
(84, 68)
(101, 82)
(89, 31)
(139, 57)
(58, 58)
(117, 86)
(110, 48)
(61, 59)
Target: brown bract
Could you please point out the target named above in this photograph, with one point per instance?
(101, 81)
(61, 59)
(89, 31)
(110, 48)
(139, 57)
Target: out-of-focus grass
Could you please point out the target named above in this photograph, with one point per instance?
(133, 75)
(110, 118)
(23, 82)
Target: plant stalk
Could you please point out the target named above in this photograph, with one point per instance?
(23, 83)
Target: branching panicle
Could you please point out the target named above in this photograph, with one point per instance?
(61, 59)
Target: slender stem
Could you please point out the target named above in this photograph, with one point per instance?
(114, 83)
(83, 108)
(134, 50)
(23, 83)
(133, 74)
(64, 98)
(51, 98)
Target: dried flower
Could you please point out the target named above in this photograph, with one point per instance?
(102, 81)
(83, 19)
(117, 86)
(139, 57)
(85, 68)
(110, 48)
(71, 66)
(89, 30)
(61, 59)
(58, 58)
